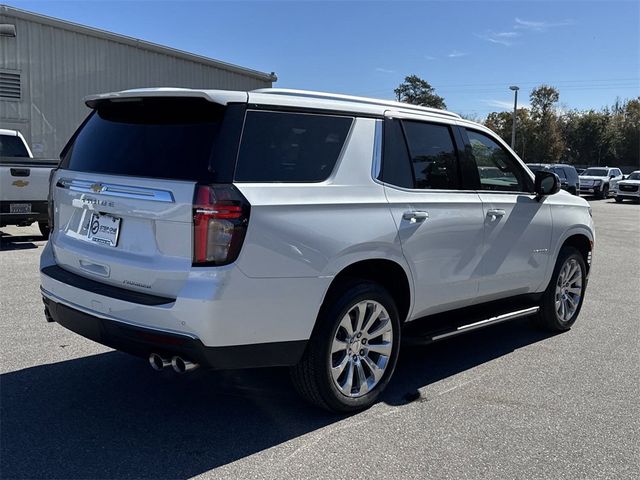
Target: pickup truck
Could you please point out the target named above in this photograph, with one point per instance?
(24, 183)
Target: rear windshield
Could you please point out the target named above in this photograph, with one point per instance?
(154, 137)
(290, 147)
(12, 146)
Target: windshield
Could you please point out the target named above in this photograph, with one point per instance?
(634, 176)
(596, 172)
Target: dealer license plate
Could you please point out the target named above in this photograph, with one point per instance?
(104, 229)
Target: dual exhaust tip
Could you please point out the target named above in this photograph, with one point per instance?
(179, 364)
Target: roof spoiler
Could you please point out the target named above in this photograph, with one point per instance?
(220, 97)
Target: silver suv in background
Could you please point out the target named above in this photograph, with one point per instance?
(597, 180)
(301, 229)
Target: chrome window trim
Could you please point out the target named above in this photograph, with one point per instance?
(377, 150)
(433, 190)
(115, 190)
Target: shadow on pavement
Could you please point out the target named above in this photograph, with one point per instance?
(18, 242)
(110, 416)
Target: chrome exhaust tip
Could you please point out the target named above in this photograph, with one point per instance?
(180, 365)
(157, 362)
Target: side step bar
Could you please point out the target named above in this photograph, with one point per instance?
(440, 335)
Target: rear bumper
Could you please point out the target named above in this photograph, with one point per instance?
(142, 341)
(39, 212)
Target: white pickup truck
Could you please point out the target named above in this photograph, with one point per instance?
(24, 183)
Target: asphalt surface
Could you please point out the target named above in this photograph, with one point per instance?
(504, 402)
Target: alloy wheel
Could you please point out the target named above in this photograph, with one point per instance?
(361, 348)
(568, 290)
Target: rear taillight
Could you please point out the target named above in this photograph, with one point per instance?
(50, 199)
(220, 219)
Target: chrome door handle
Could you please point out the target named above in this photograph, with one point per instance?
(415, 216)
(495, 213)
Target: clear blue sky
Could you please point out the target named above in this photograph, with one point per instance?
(470, 51)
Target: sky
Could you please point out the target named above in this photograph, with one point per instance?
(469, 51)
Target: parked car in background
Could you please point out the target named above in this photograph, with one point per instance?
(580, 170)
(304, 229)
(24, 183)
(568, 175)
(596, 180)
(629, 188)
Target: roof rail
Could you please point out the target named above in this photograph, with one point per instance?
(355, 99)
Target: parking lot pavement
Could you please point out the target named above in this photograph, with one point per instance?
(505, 402)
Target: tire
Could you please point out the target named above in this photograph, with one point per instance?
(618, 199)
(44, 229)
(313, 378)
(559, 317)
(604, 193)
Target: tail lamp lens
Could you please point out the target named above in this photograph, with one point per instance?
(220, 219)
(50, 212)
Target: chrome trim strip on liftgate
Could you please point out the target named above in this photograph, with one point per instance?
(485, 323)
(114, 190)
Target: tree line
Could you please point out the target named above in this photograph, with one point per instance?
(546, 134)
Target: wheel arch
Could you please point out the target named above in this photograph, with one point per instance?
(583, 244)
(388, 273)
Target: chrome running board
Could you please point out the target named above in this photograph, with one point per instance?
(485, 323)
(455, 323)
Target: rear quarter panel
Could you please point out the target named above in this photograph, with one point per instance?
(317, 229)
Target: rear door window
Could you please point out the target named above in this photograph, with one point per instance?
(433, 155)
(150, 137)
(290, 147)
(396, 167)
(560, 172)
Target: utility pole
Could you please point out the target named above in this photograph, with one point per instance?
(515, 89)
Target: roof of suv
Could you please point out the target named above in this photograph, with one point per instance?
(279, 97)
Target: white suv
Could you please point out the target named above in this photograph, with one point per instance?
(302, 229)
(629, 188)
(599, 181)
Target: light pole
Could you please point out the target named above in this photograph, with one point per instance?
(515, 89)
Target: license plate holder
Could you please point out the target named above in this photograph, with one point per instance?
(104, 229)
(19, 208)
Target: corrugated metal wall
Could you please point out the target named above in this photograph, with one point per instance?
(59, 67)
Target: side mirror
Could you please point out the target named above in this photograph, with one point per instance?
(612, 176)
(547, 183)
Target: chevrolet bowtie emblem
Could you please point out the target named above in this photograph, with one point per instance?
(20, 183)
(97, 187)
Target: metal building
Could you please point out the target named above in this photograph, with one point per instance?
(48, 65)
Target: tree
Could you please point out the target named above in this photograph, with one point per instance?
(502, 122)
(610, 136)
(417, 91)
(547, 144)
(543, 99)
